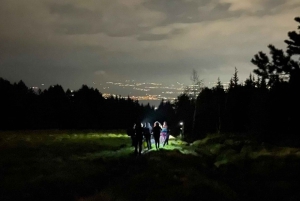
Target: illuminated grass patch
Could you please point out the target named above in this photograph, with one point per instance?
(64, 165)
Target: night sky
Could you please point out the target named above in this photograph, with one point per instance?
(75, 42)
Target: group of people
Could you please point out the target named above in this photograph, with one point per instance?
(143, 131)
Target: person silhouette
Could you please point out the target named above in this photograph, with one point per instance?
(147, 134)
(139, 138)
(130, 132)
(156, 133)
(166, 133)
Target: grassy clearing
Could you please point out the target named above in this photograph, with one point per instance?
(55, 164)
(91, 165)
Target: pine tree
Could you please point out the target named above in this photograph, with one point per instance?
(235, 78)
(282, 73)
(196, 89)
(282, 67)
(294, 42)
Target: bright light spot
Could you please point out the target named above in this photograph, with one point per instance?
(181, 123)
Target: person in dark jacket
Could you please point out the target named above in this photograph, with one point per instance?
(147, 134)
(156, 133)
(131, 133)
(166, 133)
(139, 138)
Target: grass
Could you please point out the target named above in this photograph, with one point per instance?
(93, 165)
(53, 164)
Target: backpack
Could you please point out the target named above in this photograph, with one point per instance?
(147, 131)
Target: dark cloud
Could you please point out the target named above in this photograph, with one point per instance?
(177, 10)
(77, 42)
(119, 21)
(153, 37)
(125, 21)
(75, 20)
(181, 11)
(156, 37)
(193, 11)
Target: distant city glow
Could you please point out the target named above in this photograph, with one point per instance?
(144, 91)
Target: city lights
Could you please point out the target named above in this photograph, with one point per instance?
(152, 91)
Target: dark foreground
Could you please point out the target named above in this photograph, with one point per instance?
(65, 165)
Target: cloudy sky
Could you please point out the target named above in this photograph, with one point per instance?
(75, 42)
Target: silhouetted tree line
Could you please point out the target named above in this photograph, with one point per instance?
(54, 108)
(267, 106)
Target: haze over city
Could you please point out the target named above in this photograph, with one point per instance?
(98, 43)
